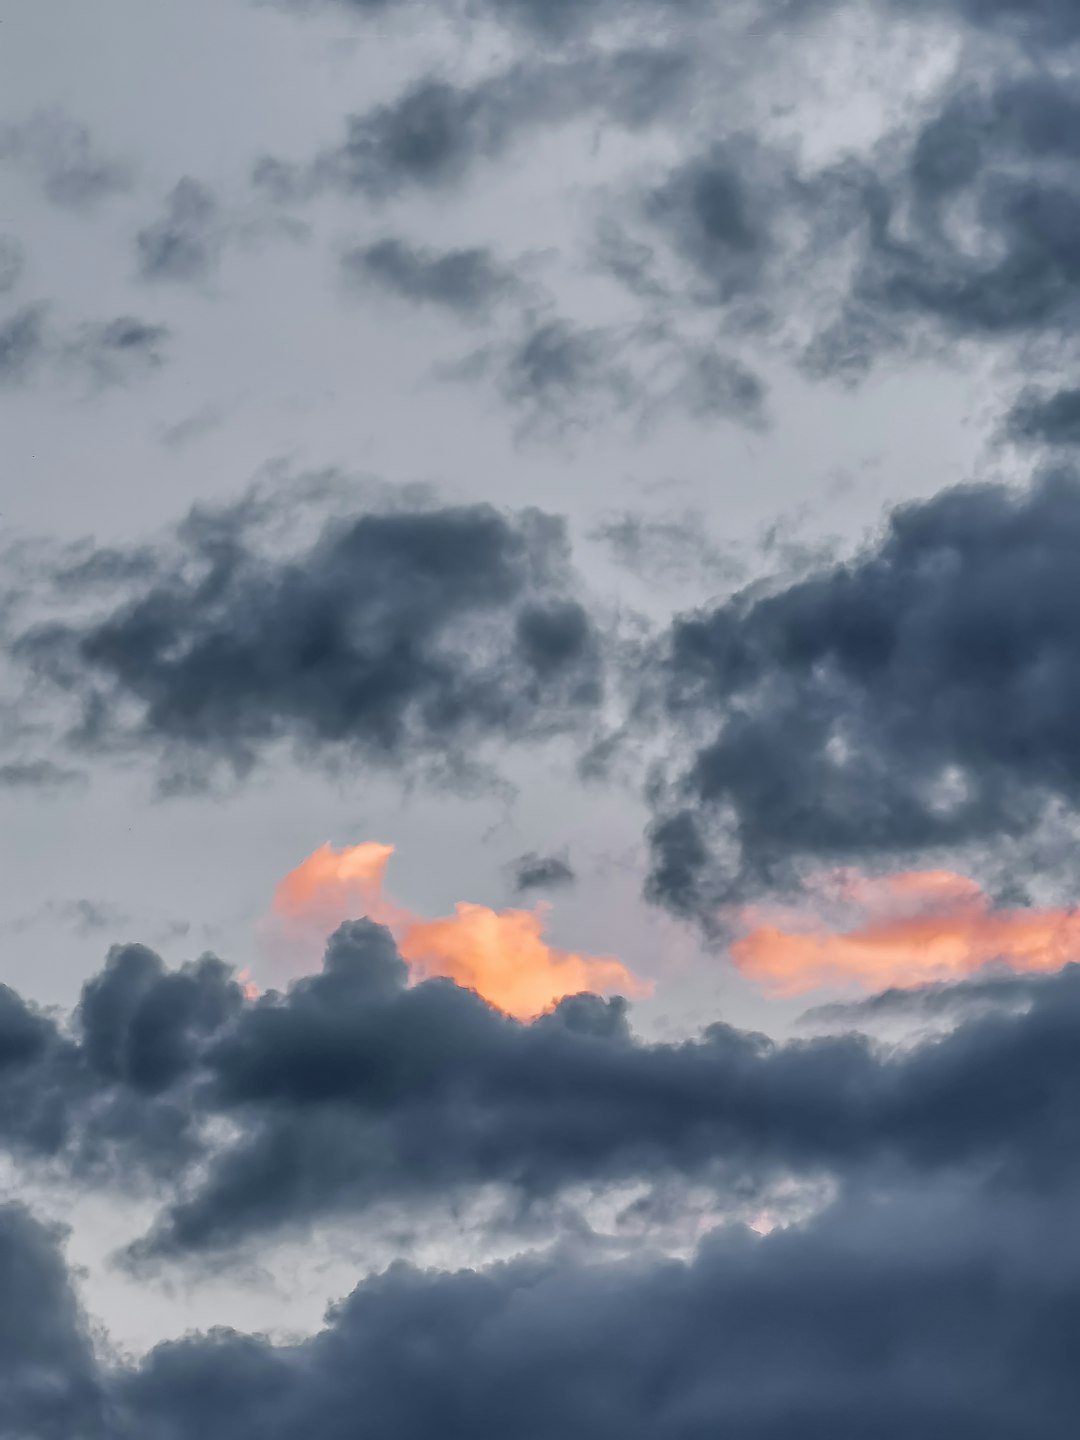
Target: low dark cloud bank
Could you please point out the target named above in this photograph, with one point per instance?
(353, 1089)
(935, 1294)
(406, 638)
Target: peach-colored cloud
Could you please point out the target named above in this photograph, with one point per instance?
(910, 929)
(499, 953)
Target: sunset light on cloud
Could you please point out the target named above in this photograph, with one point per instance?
(502, 954)
(909, 929)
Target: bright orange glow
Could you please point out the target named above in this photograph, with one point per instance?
(499, 953)
(912, 929)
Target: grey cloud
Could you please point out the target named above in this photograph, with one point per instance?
(403, 639)
(468, 282)
(352, 1090)
(945, 1315)
(51, 1387)
(919, 696)
(115, 352)
(41, 775)
(1046, 419)
(542, 872)
(61, 155)
(435, 132)
(665, 548)
(11, 263)
(22, 344)
(185, 244)
(100, 353)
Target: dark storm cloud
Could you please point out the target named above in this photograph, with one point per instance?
(435, 132)
(1045, 419)
(405, 638)
(945, 1316)
(923, 695)
(353, 1090)
(61, 155)
(185, 244)
(99, 353)
(51, 1388)
(542, 872)
(468, 282)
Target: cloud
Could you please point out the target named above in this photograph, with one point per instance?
(397, 638)
(12, 259)
(434, 133)
(60, 154)
(500, 954)
(468, 282)
(99, 353)
(912, 929)
(185, 244)
(542, 872)
(1045, 419)
(356, 1089)
(44, 776)
(915, 698)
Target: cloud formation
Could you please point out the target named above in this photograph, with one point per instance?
(501, 954)
(917, 697)
(913, 929)
(405, 638)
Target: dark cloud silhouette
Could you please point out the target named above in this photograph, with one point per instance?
(185, 244)
(944, 1316)
(468, 282)
(1052, 419)
(907, 700)
(62, 157)
(51, 1387)
(435, 132)
(352, 1090)
(542, 872)
(403, 638)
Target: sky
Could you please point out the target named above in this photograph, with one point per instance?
(539, 698)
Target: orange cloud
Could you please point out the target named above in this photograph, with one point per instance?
(912, 929)
(499, 953)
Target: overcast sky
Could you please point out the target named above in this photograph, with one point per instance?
(621, 456)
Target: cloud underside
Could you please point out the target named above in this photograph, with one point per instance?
(355, 1089)
(935, 1291)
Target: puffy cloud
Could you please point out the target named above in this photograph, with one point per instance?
(404, 637)
(355, 1089)
(501, 954)
(920, 696)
